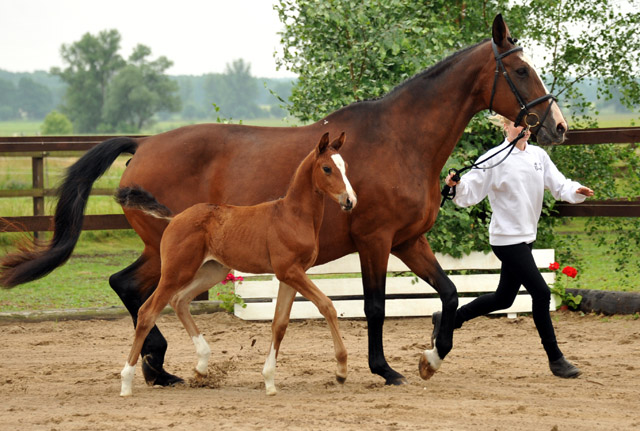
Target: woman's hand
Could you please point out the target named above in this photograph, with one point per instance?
(452, 183)
(581, 191)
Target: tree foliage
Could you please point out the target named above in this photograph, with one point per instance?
(96, 75)
(56, 124)
(138, 91)
(349, 50)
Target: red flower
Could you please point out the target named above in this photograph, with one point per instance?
(570, 271)
(554, 266)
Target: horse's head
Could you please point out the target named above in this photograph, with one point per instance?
(330, 173)
(517, 91)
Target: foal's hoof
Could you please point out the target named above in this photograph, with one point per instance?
(153, 377)
(198, 375)
(429, 363)
(341, 379)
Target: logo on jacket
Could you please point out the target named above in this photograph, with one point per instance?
(537, 166)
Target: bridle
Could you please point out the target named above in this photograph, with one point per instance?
(448, 193)
(524, 107)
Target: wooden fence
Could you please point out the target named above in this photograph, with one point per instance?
(406, 295)
(39, 147)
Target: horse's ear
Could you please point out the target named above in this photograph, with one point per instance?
(337, 143)
(500, 31)
(324, 143)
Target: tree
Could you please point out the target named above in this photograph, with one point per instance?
(56, 123)
(8, 100)
(92, 62)
(138, 91)
(349, 50)
(238, 91)
(34, 99)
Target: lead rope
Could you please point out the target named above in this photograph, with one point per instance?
(448, 193)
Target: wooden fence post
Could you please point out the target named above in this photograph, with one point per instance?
(37, 168)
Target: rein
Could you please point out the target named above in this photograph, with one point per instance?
(448, 193)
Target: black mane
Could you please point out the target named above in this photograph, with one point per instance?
(433, 71)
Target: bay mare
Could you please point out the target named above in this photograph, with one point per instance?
(204, 242)
(398, 145)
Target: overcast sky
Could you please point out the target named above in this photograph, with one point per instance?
(199, 36)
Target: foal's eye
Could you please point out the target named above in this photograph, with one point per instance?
(326, 169)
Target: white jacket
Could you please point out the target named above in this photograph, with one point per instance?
(515, 189)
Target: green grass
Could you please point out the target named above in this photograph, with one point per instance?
(83, 281)
(595, 263)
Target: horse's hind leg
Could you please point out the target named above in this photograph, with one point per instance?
(296, 278)
(210, 274)
(133, 285)
(286, 295)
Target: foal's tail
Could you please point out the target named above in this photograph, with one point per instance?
(35, 260)
(138, 198)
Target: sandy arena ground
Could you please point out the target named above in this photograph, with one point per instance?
(66, 376)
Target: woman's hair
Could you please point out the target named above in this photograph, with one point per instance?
(499, 120)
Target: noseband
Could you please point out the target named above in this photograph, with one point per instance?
(524, 107)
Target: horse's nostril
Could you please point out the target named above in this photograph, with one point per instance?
(561, 129)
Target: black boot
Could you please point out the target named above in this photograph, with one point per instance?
(563, 368)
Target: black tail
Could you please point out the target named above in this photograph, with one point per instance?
(35, 261)
(139, 199)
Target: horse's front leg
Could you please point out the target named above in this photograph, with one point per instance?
(374, 258)
(419, 257)
(286, 295)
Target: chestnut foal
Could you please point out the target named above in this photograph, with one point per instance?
(202, 243)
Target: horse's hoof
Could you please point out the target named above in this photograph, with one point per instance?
(398, 380)
(341, 379)
(198, 375)
(153, 377)
(271, 390)
(427, 367)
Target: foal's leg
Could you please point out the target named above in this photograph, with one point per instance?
(129, 284)
(177, 272)
(147, 315)
(419, 257)
(286, 295)
(209, 274)
(298, 279)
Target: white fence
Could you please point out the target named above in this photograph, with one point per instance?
(406, 295)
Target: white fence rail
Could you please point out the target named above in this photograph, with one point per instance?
(406, 295)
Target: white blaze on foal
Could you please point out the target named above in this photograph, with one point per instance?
(339, 161)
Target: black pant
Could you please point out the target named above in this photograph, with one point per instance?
(518, 268)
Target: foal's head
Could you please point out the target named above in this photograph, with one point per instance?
(330, 173)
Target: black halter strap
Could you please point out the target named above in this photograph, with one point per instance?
(448, 193)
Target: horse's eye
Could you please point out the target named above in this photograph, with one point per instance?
(523, 72)
(326, 169)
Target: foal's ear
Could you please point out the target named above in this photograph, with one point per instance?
(500, 31)
(324, 143)
(337, 143)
